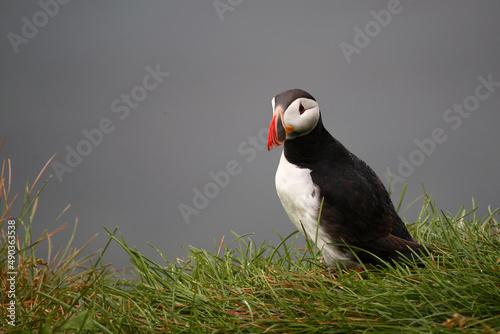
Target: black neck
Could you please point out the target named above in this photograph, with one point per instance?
(315, 146)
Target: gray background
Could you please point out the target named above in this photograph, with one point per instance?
(223, 72)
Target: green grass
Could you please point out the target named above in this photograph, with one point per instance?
(243, 286)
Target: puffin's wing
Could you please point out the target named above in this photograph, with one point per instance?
(356, 205)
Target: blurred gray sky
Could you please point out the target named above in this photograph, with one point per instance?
(170, 93)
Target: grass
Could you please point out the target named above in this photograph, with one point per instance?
(242, 286)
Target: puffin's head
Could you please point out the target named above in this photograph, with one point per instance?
(296, 113)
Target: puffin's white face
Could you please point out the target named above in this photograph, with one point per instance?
(298, 119)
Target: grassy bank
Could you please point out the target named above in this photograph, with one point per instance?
(243, 286)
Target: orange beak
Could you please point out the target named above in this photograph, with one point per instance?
(277, 130)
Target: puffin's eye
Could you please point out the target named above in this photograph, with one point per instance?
(301, 109)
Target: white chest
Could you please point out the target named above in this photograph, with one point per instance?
(299, 196)
(301, 200)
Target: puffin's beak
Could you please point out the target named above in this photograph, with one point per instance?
(277, 130)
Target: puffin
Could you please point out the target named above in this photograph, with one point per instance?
(331, 196)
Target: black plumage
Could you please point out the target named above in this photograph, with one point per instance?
(357, 209)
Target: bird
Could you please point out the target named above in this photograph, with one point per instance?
(316, 174)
